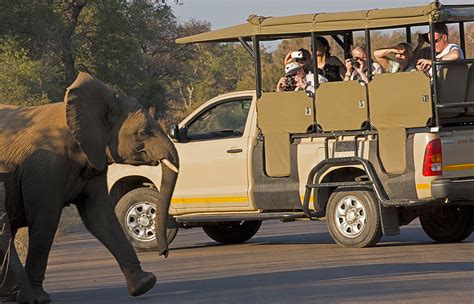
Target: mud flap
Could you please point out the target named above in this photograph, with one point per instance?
(13, 277)
(389, 219)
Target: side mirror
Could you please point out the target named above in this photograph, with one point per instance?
(173, 132)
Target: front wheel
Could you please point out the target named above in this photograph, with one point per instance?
(353, 218)
(136, 212)
(232, 232)
(448, 224)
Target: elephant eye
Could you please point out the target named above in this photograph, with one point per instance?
(142, 134)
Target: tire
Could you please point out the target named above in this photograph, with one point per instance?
(353, 218)
(140, 205)
(449, 224)
(232, 232)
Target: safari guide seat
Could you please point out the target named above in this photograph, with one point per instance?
(470, 89)
(452, 88)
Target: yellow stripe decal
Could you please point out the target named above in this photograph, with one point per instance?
(423, 186)
(311, 199)
(208, 200)
(458, 167)
(213, 200)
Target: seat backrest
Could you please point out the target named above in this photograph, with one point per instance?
(341, 106)
(398, 101)
(452, 86)
(281, 114)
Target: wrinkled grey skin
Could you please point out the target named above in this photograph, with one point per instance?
(57, 154)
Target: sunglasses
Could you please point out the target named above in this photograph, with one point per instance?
(438, 39)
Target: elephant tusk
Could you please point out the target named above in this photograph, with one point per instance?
(169, 165)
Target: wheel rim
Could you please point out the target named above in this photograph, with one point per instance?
(140, 221)
(448, 218)
(445, 221)
(350, 216)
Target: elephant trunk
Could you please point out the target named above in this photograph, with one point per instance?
(168, 182)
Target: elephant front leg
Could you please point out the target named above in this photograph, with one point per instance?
(99, 218)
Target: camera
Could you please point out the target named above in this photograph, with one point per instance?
(424, 37)
(355, 63)
(297, 55)
(290, 83)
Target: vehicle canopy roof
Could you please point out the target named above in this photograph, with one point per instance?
(275, 27)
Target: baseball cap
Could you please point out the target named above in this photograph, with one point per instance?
(291, 68)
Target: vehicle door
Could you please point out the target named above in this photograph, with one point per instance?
(214, 168)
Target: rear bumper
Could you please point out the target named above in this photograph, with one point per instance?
(458, 189)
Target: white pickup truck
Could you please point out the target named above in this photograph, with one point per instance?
(366, 157)
(224, 188)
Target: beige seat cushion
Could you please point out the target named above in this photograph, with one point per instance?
(392, 149)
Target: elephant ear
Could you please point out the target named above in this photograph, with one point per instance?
(88, 105)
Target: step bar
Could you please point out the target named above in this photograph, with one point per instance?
(239, 216)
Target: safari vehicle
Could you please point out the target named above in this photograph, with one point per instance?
(366, 157)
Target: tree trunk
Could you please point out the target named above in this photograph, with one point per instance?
(70, 15)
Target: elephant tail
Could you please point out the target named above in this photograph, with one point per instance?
(13, 278)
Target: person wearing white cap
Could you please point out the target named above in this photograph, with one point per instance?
(298, 76)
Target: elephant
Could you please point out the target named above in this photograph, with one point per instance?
(57, 154)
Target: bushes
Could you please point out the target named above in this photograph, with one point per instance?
(26, 81)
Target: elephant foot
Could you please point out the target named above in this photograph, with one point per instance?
(26, 297)
(17, 296)
(140, 283)
(42, 296)
(8, 296)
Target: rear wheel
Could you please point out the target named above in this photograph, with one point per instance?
(353, 218)
(137, 212)
(232, 232)
(449, 224)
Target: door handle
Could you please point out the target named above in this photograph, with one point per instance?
(235, 150)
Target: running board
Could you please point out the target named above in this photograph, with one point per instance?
(234, 217)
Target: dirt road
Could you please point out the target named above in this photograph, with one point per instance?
(283, 263)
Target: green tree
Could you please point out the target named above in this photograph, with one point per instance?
(26, 80)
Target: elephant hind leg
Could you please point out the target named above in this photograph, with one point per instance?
(8, 287)
(14, 283)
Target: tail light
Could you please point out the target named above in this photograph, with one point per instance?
(433, 158)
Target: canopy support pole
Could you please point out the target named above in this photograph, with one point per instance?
(247, 47)
(258, 69)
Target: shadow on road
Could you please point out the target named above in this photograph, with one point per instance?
(409, 236)
(345, 283)
(304, 238)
